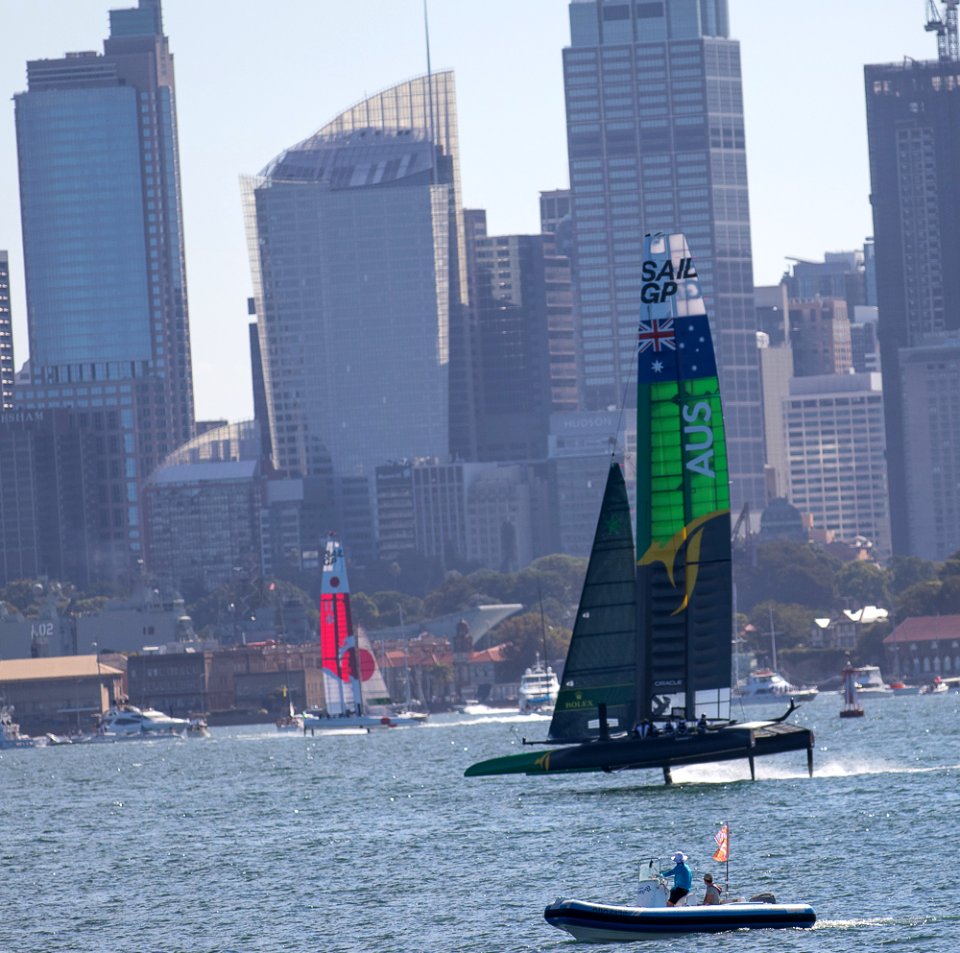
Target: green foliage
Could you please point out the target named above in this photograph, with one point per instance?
(524, 637)
(861, 584)
(919, 599)
(791, 624)
(870, 643)
(454, 595)
(364, 611)
(787, 572)
(907, 571)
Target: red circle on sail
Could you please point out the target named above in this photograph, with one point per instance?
(365, 661)
(334, 582)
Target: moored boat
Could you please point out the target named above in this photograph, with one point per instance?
(764, 686)
(124, 722)
(10, 736)
(870, 683)
(538, 689)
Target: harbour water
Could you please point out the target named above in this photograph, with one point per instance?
(254, 840)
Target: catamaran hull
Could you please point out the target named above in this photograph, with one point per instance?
(725, 744)
(605, 923)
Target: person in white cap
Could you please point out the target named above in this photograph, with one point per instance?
(682, 878)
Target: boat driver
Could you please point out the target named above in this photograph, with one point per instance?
(682, 878)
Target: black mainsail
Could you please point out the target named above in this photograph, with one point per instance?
(601, 663)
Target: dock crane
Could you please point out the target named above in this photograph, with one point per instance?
(948, 41)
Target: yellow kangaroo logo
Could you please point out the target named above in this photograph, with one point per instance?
(666, 553)
(543, 762)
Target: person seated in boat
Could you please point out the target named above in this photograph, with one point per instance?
(702, 723)
(711, 891)
(652, 730)
(682, 878)
(668, 727)
(681, 727)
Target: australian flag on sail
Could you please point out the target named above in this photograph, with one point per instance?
(672, 348)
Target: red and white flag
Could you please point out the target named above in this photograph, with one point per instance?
(722, 837)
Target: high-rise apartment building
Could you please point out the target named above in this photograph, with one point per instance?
(359, 280)
(930, 394)
(913, 125)
(7, 368)
(103, 244)
(655, 138)
(556, 226)
(510, 346)
(833, 425)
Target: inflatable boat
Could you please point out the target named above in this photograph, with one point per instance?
(603, 922)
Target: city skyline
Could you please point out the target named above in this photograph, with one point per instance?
(805, 200)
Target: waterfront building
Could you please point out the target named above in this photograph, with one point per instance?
(65, 694)
(103, 244)
(836, 474)
(655, 138)
(360, 291)
(7, 371)
(913, 119)
(922, 647)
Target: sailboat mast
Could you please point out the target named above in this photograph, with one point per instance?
(773, 641)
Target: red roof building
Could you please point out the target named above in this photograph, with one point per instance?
(924, 646)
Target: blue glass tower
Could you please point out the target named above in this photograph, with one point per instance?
(655, 138)
(102, 231)
(104, 259)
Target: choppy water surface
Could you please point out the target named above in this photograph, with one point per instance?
(254, 840)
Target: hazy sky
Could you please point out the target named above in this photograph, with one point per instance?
(254, 78)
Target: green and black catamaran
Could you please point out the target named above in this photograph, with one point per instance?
(651, 646)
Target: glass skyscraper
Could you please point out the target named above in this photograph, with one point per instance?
(655, 139)
(6, 336)
(358, 274)
(103, 248)
(913, 125)
(102, 225)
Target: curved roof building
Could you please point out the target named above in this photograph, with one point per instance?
(357, 266)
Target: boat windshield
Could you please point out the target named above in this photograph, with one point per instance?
(649, 869)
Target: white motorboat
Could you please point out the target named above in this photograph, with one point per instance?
(765, 686)
(539, 688)
(127, 721)
(10, 736)
(870, 683)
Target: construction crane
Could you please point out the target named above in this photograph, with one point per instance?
(948, 41)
